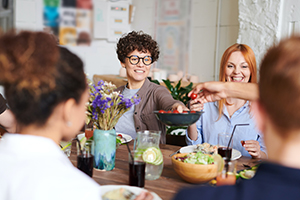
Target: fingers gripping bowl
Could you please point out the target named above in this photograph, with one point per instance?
(194, 173)
(178, 119)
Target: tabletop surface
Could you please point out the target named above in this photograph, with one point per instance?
(169, 182)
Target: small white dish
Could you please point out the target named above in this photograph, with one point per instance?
(127, 137)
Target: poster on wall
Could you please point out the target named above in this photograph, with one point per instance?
(172, 34)
(111, 19)
(70, 21)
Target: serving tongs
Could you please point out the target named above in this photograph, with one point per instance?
(176, 152)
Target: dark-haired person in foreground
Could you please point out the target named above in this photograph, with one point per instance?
(137, 52)
(7, 120)
(46, 88)
(277, 114)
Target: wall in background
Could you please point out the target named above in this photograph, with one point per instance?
(264, 23)
(214, 27)
(101, 58)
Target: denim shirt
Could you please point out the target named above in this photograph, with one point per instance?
(208, 127)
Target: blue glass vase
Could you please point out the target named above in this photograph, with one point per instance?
(105, 149)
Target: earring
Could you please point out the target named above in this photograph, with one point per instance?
(69, 124)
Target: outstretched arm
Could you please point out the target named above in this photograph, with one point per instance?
(214, 91)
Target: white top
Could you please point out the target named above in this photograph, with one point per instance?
(34, 168)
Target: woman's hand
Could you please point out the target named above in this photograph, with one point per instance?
(195, 105)
(145, 195)
(179, 107)
(253, 148)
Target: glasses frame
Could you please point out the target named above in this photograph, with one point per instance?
(139, 59)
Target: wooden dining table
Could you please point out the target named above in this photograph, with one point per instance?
(169, 182)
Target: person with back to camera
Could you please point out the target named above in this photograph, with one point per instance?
(276, 113)
(48, 107)
(137, 52)
(238, 64)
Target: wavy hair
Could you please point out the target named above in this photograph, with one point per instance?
(37, 75)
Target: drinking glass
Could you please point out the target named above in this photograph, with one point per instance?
(89, 130)
(85, 157)
(137, 168)
(223, 140)
(148, 140)
(227, 175)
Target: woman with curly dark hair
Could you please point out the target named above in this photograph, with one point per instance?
(137, 52)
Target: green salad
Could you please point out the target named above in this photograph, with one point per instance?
(197, 158)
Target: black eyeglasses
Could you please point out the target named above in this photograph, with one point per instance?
(133, 59)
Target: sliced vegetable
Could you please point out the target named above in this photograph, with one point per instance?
(153, 155)
(247, 174)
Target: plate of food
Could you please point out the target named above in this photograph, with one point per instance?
(174, 118)
(122, 192)
(124, 137)
(208, 149)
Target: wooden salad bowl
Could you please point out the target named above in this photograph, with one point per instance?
(194, 173)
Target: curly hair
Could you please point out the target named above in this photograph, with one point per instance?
(137, 41)
(38, 75)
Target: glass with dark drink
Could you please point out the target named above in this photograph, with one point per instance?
(85, 164)
(224, 152)
(137, 174)
(225, 145)
(136, 169)
(85, 157)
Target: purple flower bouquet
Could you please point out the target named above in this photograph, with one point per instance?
(106, 106)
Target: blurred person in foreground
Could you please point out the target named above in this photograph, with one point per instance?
(276, 111)
(47, 90)
(238, 64)
(137, 52)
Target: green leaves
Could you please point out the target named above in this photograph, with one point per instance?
(155, 81)
(178, 92)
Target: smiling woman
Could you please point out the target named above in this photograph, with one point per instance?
(137, 51)
(238, 64)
